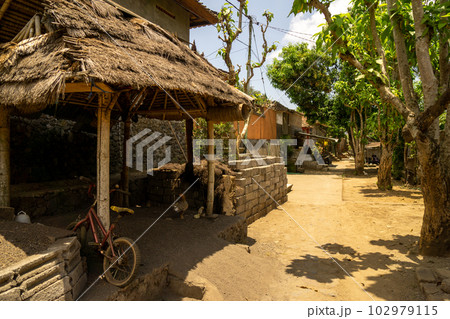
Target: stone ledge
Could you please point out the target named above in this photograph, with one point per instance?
(45, 276)
(434, 283)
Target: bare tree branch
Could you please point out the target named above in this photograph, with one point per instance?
(426, 118)
(430, 83)
(402, 59)
(376, 40)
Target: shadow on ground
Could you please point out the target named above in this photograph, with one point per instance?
(179, 243)
(389, 284)
(413, 194)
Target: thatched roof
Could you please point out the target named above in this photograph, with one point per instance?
(96, 43)
(18, 12)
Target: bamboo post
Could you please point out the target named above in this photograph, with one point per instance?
(125, 178)
(5, 169)
(37, 24)
(103, 140)
(210, 195)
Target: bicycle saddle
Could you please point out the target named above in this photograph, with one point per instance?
(122, 210)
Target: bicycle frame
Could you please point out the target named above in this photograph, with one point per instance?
(91, 219)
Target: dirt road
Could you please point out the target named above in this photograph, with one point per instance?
(337, 238)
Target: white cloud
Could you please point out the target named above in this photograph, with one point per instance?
(308, 24)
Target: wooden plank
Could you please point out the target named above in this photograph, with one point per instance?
(5, 169)
(83, 87)
(210, 189)
(198, 10)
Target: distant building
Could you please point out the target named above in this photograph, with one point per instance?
(176, 16)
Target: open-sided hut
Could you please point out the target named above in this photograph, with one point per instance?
(90, 58)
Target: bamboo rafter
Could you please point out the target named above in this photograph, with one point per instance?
(4, 7)
(33, 28)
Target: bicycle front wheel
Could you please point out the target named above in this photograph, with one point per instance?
(121, 269)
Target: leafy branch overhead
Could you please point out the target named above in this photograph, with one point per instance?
(401, 47)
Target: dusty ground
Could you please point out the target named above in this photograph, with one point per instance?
(370, 235)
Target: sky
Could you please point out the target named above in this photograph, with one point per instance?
(301, 27)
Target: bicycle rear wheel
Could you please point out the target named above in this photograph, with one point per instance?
(120, 270)
(81, 234)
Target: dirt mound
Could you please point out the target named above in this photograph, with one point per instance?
(18, 241)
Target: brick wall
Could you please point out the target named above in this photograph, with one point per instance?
(258, 184)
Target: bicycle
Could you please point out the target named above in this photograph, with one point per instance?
(121, 257)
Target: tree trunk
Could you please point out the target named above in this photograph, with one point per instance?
(359, 159)
(358, 152)
(385, 167)
(435, 182)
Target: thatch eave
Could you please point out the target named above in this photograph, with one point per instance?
(99, 45)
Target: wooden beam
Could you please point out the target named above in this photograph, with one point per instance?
(210, 189)
(170, 112)
(4, 8)
(139, 100)
(198, 10)
(125, 176)
(177, 104)
(83, 87)
(5, 168)
(201, 103)
(103, 142)
(165, 106)
(154, 98)
(189, 140)
(190, 101)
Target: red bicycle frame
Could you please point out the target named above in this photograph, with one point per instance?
(90, 220)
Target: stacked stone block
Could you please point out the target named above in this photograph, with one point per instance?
(261, 185)
(56, 274)
(165, 186)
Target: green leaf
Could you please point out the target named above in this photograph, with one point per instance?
(360, 77)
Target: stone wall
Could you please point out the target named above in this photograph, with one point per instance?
(56, 274)
(163, 127)
(243, 194)
(258, 184)
(48, 149)
(51, 198)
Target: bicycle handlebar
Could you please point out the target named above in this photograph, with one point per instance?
(85, 179)
(120, 191)
(92, 186)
